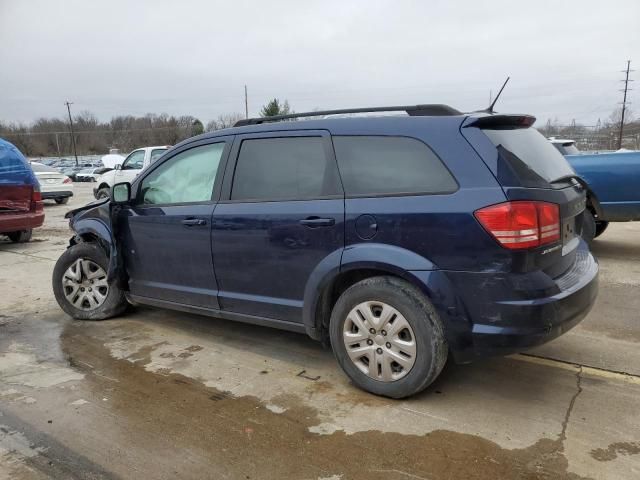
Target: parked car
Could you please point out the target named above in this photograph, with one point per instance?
(73, 171)
(128, 170)
(398, 240)
(53, 184)
(91, 174)
(612, 180)
(21, 208)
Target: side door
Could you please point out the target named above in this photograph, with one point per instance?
(281, 214)
(130, 167)
(167, 228)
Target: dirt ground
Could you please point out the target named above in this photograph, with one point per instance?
(165, 395)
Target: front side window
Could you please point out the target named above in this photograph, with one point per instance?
(373, 165)
(134, 161)
(289, 168)
(187, 177)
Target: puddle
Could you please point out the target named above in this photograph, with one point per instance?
(245, 437)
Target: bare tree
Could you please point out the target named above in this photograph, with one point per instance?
(225, 120)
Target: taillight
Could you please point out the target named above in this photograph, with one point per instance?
(66, 180)
(521, 224)
(36, 200)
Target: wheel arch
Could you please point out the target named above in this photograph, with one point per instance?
(330, 279)
(94, 230)
(593, 203)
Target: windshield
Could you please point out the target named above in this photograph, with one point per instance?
(530, 157)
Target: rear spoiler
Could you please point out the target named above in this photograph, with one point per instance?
(498, 122)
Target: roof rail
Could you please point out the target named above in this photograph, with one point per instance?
(434, 110)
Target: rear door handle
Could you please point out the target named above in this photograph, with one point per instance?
(191, 222)
(314, 222)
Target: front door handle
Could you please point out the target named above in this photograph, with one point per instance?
(191, 222)
(314, 222)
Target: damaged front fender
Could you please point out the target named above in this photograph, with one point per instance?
(94, 222)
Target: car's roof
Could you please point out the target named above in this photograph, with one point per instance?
(335, 125)
(360, 125)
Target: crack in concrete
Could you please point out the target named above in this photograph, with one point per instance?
(567, 415)
(573, 364)
(29, 255)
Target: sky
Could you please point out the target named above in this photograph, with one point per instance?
(194, 57)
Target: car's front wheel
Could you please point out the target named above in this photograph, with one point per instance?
(81, 287)
(387, 337)
(104, 192)
(62, 200)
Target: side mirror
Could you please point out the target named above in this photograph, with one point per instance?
(121, 193)
(117, 166)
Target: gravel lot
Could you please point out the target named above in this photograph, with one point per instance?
(157, 394)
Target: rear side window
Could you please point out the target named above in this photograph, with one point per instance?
(534, 161)
(289, 168)
(371, 165)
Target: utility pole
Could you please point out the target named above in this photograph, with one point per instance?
(624, 102)
(246, 103)
(73, 138)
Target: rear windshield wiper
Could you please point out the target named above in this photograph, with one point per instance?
(565, 178)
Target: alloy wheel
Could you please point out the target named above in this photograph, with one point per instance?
(379, 341)
(85, 285)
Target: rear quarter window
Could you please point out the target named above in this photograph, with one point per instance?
(377, 165)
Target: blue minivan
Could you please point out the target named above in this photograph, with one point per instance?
(400, 240)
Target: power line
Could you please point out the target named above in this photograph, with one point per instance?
(102, 131)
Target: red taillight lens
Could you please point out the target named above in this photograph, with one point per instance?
(521, 224)
(36, 201)
(66, 180)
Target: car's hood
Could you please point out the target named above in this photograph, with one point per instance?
(88, 206)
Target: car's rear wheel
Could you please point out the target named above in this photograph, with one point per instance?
(387, 337)
(81, 287)
(23, 236)
(62, 200)
(104, 192)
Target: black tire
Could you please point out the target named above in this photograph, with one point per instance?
(23, 236)
(104, 192)
(431, 346)
(62, 200)
(601, 226)
(588, 226)
(113, 305)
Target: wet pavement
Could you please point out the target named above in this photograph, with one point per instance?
(158, 394)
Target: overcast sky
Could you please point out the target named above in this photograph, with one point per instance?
(188, 57)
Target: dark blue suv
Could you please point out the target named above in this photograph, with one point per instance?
(399, 240)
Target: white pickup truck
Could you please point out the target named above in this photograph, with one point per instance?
(128, 170)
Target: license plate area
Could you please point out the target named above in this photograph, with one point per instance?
(569, 235)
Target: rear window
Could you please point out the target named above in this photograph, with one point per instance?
(40, 168)
(534, 161)
(372, 165)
